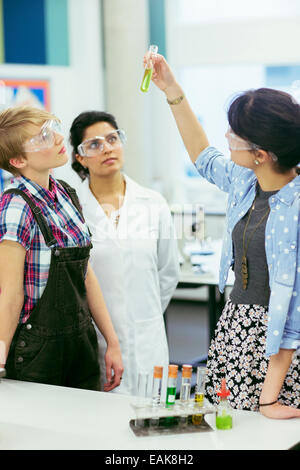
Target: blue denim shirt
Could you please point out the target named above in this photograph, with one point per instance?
(282, 243)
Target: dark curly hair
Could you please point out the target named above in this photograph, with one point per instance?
(78, 127)
(271, 120)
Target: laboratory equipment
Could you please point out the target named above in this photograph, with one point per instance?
(199, 393)
(224, 410)
(156, 387)
(157, 418)
(185, 390)
(148, 71)
(142, 387)
(200, 385)
(171, 387)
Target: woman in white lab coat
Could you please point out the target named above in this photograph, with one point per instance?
(134, 251)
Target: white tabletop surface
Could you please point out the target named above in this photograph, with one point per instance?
(210, 263)
(35, 416)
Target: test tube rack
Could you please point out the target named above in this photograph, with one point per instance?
(179, 419)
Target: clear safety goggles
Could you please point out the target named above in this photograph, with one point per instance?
(46, 137)
(95, 145)
(237, 143)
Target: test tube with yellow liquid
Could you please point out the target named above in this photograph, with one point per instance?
(148, 71)
(199, 393)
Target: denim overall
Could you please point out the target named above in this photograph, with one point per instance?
(58, 344)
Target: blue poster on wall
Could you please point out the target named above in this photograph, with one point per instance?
(23, 92)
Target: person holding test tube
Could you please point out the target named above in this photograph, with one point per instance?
(258, 334)
(49, 292)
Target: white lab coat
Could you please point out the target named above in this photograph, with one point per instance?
(138, 269)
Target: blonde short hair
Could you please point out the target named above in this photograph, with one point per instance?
(14, 132)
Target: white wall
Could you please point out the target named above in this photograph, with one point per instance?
(265, 41)
(80, 86)
(126, 39)
(145, 116)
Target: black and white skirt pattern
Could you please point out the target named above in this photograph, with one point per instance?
(237, 353)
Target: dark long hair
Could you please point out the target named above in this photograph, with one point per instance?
(271, 120)
(79, 125)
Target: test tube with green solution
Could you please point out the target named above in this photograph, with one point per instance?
(171, 387)
(148, 71)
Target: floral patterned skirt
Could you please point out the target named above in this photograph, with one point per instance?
(237, 353)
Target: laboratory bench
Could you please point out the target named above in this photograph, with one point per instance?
(36, 416)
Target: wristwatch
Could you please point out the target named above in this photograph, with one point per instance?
(176, 100)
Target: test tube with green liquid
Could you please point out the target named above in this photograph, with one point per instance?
(148, 71)
(171, 387)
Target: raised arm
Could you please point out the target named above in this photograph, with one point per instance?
(191, 131)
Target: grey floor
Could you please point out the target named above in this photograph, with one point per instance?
(187, 330)
(188, 333)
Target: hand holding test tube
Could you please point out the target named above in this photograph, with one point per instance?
(148, 69)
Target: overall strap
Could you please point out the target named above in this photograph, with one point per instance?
(38, 215)
(73, 195)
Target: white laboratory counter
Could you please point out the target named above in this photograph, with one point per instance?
(35, 416)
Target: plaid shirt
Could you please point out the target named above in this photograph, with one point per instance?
(18, 224)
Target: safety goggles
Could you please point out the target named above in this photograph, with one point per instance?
(46, 137)
(95, 145)
(237, 143)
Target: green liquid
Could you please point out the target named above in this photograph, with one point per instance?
(169, 421)
(146, 80)
(224, 422)
(171, 394)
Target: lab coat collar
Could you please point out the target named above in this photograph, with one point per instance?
(133, 190)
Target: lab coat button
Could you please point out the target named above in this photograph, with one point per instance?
(293, 246)
(20, 359)
(29, 326)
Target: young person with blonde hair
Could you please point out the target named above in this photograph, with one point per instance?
(49, 293)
